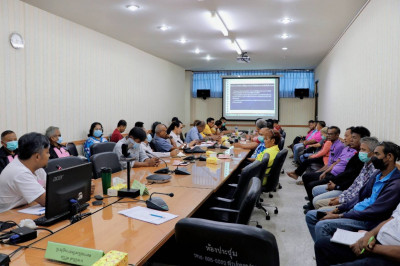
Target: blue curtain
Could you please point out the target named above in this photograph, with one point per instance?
(288, 81)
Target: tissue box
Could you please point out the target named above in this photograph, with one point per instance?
(113, 258)
(113, 191)
(208, 153)
(213, 160)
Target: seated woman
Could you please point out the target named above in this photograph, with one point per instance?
(94, 136)
(175, 131)
(56, 149)
(272, 138)
(317, 147)
(321, 157)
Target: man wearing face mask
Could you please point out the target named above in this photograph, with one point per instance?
(133, 140)
(9, 148)
(22, 181)
(376, 200)
(367, 147)
(56, 149)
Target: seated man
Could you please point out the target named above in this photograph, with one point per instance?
(260, 123)
(133, 140)
(209, 129)
(116, 135)
(22, 181)
(9, 148)
(367, 147)
(271, 142)
(162, 141)
(261, 147)
(223, 129)
(56, 149)
(194, 132)
(312, 138)
(382, 250)
(374, 204)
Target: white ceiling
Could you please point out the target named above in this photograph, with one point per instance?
(316, 26)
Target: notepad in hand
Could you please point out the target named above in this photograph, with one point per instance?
(346, 237)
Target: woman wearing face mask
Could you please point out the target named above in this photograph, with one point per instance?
(9, 149)
(95, 136)
(272, 138)
(321, 148)
(56, 149)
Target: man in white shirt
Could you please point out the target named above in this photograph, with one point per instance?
(381, 246)
(133, 140)
(23, 180)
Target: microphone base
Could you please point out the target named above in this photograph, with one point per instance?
(128, 193)
(182, 171)
(164, 170)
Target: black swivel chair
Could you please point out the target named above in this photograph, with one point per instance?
(273, 180)
(102, 147)
(72, 149)
(105, 159)
(240, 212)
(204, 242)
(64, 162)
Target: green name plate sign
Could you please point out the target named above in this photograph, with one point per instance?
(72, 254)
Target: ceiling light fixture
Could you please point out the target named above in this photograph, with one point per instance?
(197, 51)
(218, 23)
(236, 46)
(132, 7)
(286, 20)
(183, 40)
(284, 36)
(163, 27)
(208, 57)
(284, 48)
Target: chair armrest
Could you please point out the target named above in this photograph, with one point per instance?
(224, 199)
(233, 185)
(216, 209)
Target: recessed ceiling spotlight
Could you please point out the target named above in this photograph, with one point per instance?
(208, 58)
(284, 48)
(284, 36)
(163, 27)
(182, 40)
(197, 51)
(132, 7)
(286, 20)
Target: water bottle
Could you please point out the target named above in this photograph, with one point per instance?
(236, 131)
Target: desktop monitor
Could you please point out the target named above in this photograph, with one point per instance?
(66, 184)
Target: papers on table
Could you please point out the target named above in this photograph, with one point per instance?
(148, 215)
(35, 210)
(346, 237)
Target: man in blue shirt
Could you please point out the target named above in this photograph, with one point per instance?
(194, 132)
(160, 141)
(375, 203)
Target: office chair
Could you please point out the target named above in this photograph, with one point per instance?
(64, 162)
(152, 146)
(72, 149)
(204, 242)
(105, 159)
(241, 212)
(102, 147)
(273, 181)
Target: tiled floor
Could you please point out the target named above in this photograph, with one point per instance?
(294, 241)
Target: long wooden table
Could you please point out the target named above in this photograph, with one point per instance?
(107, 230)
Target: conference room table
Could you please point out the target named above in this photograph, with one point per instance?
(107, 230)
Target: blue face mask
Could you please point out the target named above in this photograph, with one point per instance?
(260, 138)
(323, 137)
(223, 124)
(149, 137)
(12, 145)
(135, 145)
(363, 156)
(59, 141)
(97, 133)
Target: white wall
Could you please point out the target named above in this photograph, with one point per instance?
(359, 80)
(70, 76)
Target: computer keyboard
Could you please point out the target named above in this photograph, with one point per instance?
(43, 221)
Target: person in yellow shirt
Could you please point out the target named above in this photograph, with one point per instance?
(272, 138)
(209, 130)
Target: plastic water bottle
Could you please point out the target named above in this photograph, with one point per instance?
(236, 131)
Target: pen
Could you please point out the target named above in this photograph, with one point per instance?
(369, 241)
(155, 215)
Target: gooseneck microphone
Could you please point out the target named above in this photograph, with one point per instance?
(164, 170)
(128, 192)
(158, 203)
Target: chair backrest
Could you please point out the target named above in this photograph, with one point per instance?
(72, 149)
(273, 176)
(264, 166)
(64, 162)
(205, 242)
(247, 173)
(283, 134)
(281, 143)
(249, 200)
(102, 147)
(152, 146)
(105, 159)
